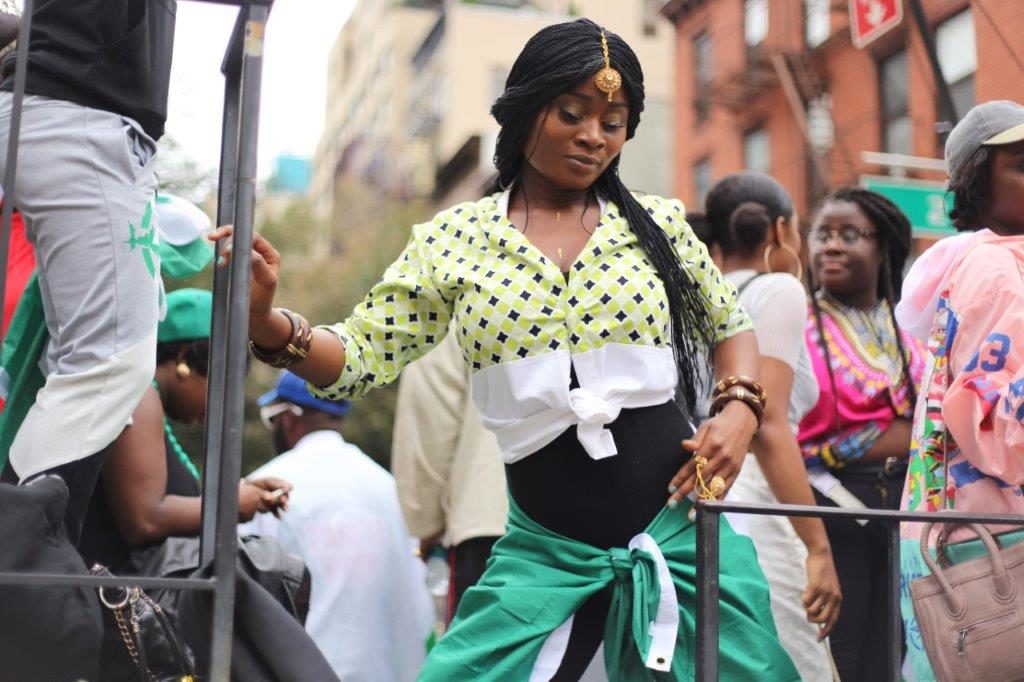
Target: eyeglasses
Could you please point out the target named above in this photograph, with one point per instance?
(849, 236)
(268, 413)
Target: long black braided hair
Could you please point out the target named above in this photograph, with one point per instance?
(554, 60)
(894, 238)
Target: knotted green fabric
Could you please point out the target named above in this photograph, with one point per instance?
(536, 580)
(635, 602)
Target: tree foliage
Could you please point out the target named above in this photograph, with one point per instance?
(328, 265)
(180, 174)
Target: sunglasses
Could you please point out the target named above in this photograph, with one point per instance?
(268, 413)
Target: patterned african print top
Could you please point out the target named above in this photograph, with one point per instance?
(522, 325)
(870, 390)
(967, 450)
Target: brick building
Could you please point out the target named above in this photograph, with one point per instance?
(779, 87)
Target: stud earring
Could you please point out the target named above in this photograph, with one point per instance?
(183, 370)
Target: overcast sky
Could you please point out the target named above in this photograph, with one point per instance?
(299, 36)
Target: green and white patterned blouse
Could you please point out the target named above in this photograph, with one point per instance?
(523, 326)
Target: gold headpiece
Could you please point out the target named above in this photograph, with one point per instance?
(608, 80)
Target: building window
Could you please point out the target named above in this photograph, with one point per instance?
(757, 151)
(702, 180)
(893, 85)
(755, 21)
(817, 21)
(958, 57)
(703, 71)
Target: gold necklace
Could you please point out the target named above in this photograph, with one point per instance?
(558, 214)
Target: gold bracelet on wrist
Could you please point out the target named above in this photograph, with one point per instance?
(297, 348)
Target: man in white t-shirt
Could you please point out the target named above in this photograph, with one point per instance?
(370, 612)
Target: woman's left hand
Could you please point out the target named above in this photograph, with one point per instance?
(724, 441)
(823, 595)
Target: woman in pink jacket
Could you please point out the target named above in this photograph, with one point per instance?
(968, 433)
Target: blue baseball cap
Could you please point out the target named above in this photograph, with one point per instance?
(292, 389)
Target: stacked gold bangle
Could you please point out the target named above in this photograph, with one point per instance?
(742, 388)
(297, 348)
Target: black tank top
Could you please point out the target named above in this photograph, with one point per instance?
(101, 541)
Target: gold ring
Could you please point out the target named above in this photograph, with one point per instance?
(700, 460)
(717, 486)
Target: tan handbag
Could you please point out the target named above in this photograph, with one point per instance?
(971, 615)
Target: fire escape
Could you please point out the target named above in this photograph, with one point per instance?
(800, 74)
(777, 58)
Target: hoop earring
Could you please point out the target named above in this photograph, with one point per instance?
(183, 371)
(791, 251)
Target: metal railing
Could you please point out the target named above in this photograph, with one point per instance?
(709, 523)
(242, 69)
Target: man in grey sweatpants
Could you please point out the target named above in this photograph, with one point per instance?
(98, 74)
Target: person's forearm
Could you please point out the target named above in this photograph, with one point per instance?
(894, 442)
(173, 516)
(326, 358)
(782, 464)
(738, 355)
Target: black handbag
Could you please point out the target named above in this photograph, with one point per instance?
(280, 573)
(141, 641)
(46, 632)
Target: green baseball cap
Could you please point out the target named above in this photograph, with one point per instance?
(188, 316)
(183, 249)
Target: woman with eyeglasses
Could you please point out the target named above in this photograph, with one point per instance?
(856, 439)
(149, 487)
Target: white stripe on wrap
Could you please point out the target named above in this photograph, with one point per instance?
(552, 653)
(664, 628)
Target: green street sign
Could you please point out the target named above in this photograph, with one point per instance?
(926, 204)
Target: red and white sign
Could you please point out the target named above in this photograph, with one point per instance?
(870, 19)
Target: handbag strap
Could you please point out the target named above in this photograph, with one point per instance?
(122, 608)
(1002, 582)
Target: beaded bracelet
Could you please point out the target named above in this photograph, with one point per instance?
(297, 348)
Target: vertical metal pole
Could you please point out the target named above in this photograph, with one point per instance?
(947, 107)
(11, 171)
(707, 594)
(218, 332)
(225, 536)
(894, 619)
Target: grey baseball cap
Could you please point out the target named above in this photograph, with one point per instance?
(987, 125)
